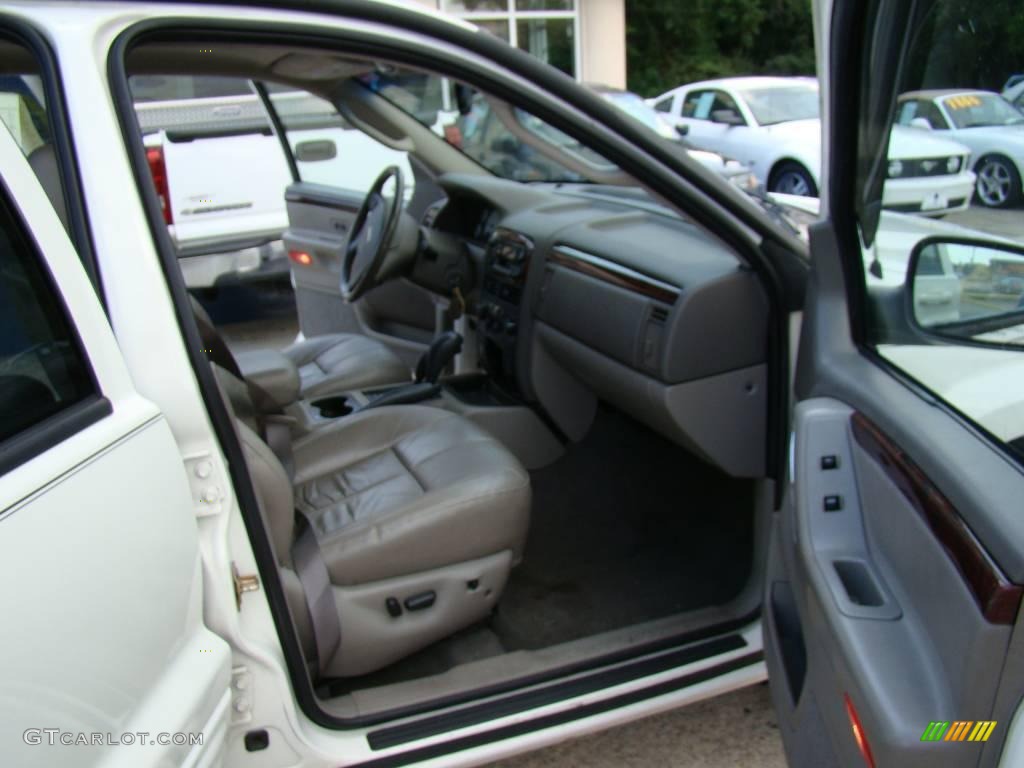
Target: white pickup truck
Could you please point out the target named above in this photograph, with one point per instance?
(221, 171)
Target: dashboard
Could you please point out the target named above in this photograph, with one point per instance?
(582, 294)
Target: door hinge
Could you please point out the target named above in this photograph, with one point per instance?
(248, 583)
(208, 495)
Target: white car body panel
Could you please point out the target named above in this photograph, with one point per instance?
(135, 289)
(1007, 141)
(104, 629)
(207, 204)
(764, 147)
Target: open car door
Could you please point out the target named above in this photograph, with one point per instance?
(891, 612)
(334, 164)
(106, 658)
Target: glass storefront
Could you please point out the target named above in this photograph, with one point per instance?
(547, 29)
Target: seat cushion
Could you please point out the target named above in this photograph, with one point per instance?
(342, 362)
(399, 490)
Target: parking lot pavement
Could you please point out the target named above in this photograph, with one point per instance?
(737, 730)
(1006, 223)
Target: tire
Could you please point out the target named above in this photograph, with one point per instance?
(791, 178)
(998, 184)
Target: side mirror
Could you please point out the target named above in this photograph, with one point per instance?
(921, 122)
(726, 117)
(315, 150)
(968, 290)
(683, 129)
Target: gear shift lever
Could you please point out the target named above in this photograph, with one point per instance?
(437, 357)
(428, 370)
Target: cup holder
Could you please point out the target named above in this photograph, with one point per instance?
(333, 407)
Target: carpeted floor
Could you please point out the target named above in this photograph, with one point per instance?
(626, 527)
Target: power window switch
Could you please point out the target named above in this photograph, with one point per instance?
(830, 461)
(833, 503)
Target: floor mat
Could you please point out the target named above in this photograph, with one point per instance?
(626, 527)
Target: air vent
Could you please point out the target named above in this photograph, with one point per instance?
(659, 314)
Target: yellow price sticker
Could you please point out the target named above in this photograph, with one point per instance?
(963, 102)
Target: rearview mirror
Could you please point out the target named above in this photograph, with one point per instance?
(921, 122)
(682, 129)
(968, 290)
(315, 150)
(726, 117)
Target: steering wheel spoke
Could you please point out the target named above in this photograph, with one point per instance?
(371, 236)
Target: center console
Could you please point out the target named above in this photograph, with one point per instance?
(491, 397)
(506, 264)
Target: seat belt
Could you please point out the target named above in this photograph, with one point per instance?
(213, 344)
(277, 434)
(316, 586)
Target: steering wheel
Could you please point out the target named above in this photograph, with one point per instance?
(371, 236)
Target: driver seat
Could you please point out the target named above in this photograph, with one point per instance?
(328, 364)
(342, 362)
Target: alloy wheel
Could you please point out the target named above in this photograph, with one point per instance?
(793, 183)
(995, 183)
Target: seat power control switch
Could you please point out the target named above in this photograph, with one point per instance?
(421, 601)
(394, 607)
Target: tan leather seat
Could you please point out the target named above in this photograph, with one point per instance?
(341, 362)
(405, 501)
(329, 364)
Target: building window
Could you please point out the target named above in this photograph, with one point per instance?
(547, 29)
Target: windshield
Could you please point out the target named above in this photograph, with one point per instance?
(782, 104)
(975, 110)
(471, 123)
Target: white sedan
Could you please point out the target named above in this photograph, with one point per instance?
(636, 107)
(772, 124)
(983, 121)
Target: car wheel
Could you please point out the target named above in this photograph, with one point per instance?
(998, 184)
(792, 179)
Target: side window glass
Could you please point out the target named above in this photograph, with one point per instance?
(665, 105)
(724, 101)
(908, 111)
(42, 370)
(931, 113)
(23, 111)
(940, 218)
(699, 105)
(327, 149)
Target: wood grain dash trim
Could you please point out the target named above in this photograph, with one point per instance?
(631, 281)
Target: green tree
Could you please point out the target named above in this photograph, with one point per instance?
(670, 43)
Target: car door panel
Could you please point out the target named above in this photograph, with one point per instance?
(397, 312)
(888, 614)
